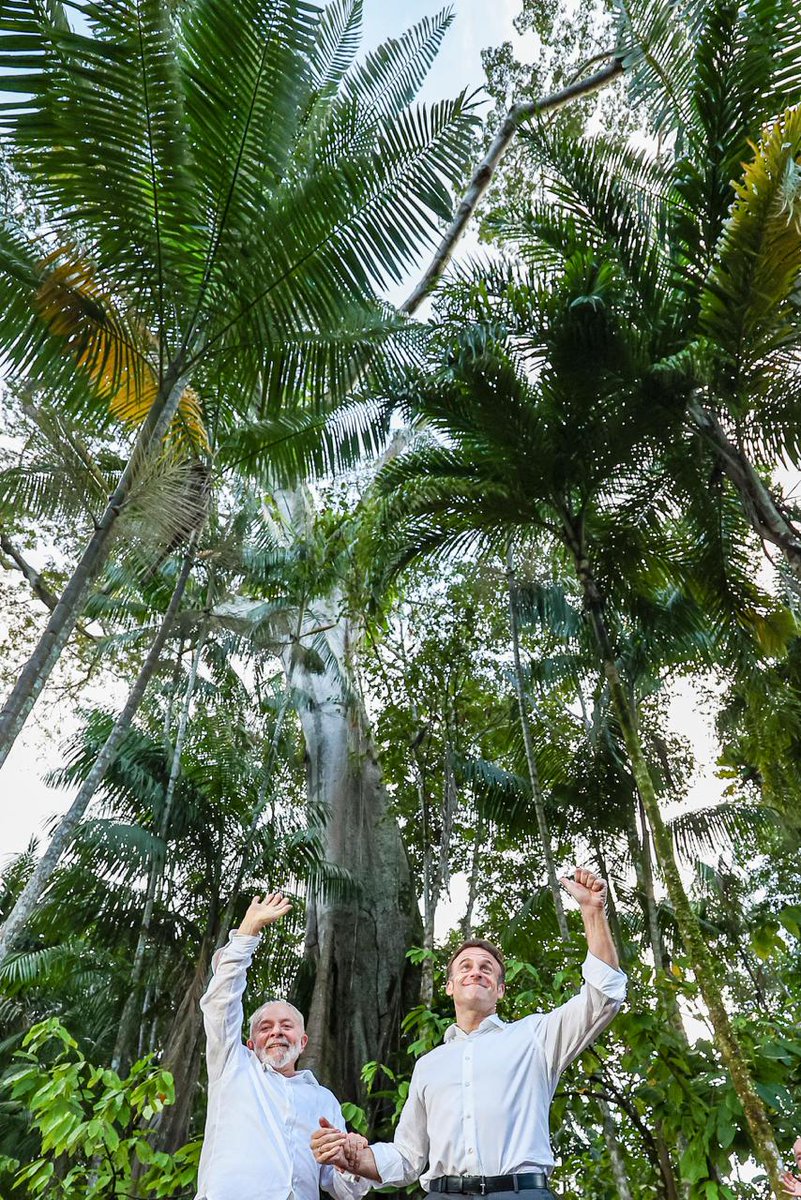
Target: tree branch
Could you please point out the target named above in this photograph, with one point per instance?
(32, 576)
(485, 170)
(15, 561)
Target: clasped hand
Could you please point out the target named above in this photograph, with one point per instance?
(333, 1147)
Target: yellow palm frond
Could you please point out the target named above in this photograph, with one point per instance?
(75, 306)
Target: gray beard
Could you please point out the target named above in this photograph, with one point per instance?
(277, 1057)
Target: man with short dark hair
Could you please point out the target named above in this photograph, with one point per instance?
(261, 1109)
(476, 1117)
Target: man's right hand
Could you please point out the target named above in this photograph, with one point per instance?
(264, 912)
(345, 1151)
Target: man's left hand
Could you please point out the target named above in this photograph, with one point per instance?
(587, 888)
(330, 1146)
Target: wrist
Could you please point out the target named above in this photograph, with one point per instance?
(248, 930)
(594, 914)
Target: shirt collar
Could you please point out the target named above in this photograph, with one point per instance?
(302, 1076)
(454, 1033)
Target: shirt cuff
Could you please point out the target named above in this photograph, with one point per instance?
(239, 946)
(389, 1163)
(344, 1184)
(608, 980)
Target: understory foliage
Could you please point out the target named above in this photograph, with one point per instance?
(536, 560)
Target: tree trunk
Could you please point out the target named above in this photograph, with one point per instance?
(472, 887)
(356, 982)
(68, 610)
(533, 774)
(183, 1054)
(129, 1021)
(640, 850)
(524, 111)
(616, 1159)
(761, 1134)
(761, 508)
(33, 889)
(611, 900)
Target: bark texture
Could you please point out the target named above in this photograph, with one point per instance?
(357, 982)
(767, 518)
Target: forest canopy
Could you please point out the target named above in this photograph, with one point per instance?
(405, 606)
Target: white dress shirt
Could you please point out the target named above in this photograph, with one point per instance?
(478, 1104)
(258, 1122)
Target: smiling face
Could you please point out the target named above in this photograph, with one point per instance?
(475, 983)
(277, 1037)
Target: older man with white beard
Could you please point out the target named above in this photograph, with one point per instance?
(261, 1109)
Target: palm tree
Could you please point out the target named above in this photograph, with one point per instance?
(551, 415)
(215, 242)
(714, 264)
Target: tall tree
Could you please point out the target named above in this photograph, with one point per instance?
(546, 405)
(218, 236)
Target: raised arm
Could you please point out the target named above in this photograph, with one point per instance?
(589, 891)
(568, 1029)
(222, 1002)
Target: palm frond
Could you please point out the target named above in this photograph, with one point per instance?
(750, 303)
(708, 830)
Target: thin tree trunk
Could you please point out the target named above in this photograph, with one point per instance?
(616, 1159)
(761, 1134)
(653, 1144)
(31, 893)
(472, 887)
(68, 610)
(485, 170)
(761, 508)
(533, 774)
(611, 903)
(268, 767)
(128, 1020)
(640, 850)
(183, 1052)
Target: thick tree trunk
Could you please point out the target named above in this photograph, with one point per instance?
(356, 982)
(761, 1134)
(531, 762)
(68, 610)
(32, 891)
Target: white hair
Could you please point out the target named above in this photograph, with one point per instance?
(259, 1013)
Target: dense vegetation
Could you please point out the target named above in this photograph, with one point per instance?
(391, 611)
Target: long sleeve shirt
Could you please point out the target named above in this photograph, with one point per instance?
(258, 1121)
(479, 1103)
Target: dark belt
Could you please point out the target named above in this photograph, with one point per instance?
(482, 1185)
